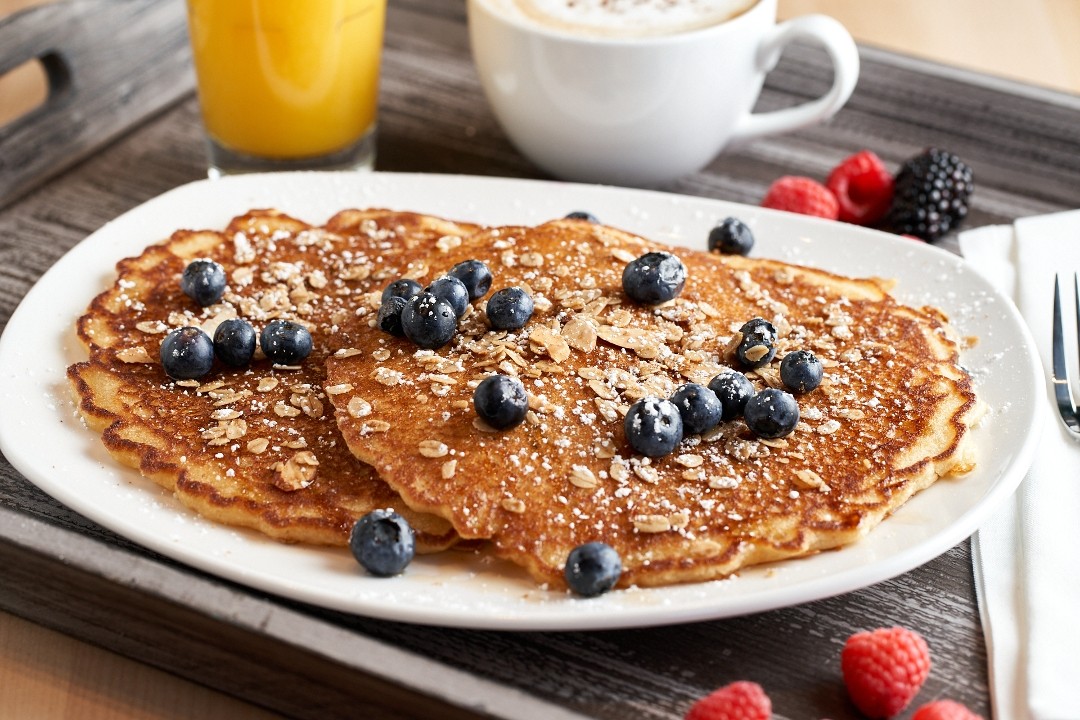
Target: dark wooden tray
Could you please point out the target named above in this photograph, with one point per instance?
(61, 570)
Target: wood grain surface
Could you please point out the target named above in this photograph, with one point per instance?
(62, 571)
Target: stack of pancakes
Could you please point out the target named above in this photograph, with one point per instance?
(370, 420)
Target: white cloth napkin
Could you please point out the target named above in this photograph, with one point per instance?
(1027, 556)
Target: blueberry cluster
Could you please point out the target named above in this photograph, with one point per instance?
(188, 353)
(429, 316)
(655, 426)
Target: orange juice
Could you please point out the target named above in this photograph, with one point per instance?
(287, 79)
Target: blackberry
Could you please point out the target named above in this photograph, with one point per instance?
(931, 194)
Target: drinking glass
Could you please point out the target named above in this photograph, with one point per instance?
(287, 84)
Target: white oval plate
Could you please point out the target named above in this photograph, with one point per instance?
(44, 439)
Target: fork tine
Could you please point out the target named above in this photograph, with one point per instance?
(1076, 300)
(1062, 392)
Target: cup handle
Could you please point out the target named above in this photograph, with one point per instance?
(837, 41)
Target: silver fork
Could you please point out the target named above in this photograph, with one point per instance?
(1062, 389)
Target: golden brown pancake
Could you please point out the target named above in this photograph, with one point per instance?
(890, 418)
(255, 446)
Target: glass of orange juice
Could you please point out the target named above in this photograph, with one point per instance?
(288, 84)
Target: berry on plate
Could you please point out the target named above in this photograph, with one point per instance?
(509, 309)
(501, 401)
(592, 569)
(203, 281)
(428, 321)
(234, 342)
(475, 275)
(758, 344)
(654, 278)
(382, 542)
(802, 195)
(731, 237)
(404, 288)
(285, 342)
(771, 414)
(863, 188)
(801, 371)
(187, 353)
(699, 408)
(740, 700)
(389, 317)
(732, 389)
(931, 194)
(452, 290)
(944, 710)
(884, 669)
(653, 426)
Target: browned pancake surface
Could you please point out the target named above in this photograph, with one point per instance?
(888, 420)
(256, 446)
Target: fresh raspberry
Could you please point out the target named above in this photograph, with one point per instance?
(863, 187)
(884, 669)
(738, 701)
(944, 710)
(802, 195)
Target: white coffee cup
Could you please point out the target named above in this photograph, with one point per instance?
(644, 110)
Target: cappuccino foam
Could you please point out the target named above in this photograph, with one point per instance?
(622, 18)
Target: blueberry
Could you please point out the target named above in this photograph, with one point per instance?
(501, 401)
(203, 281)
(451, 290)
(653, 426)
(382, 542)
(592, 569)
(654, 278)
(732, 389)
(428, 321)
(801, 371)
(187, 353)
(699, 408)
(404, 288)
(234, 342)
(389, 318)
(509, 309)
(285, 342)
(771, 413)
(582, 215)
(475, 275)
(758, 345)
(731, 237)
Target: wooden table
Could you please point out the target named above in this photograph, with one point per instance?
(62, 571)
